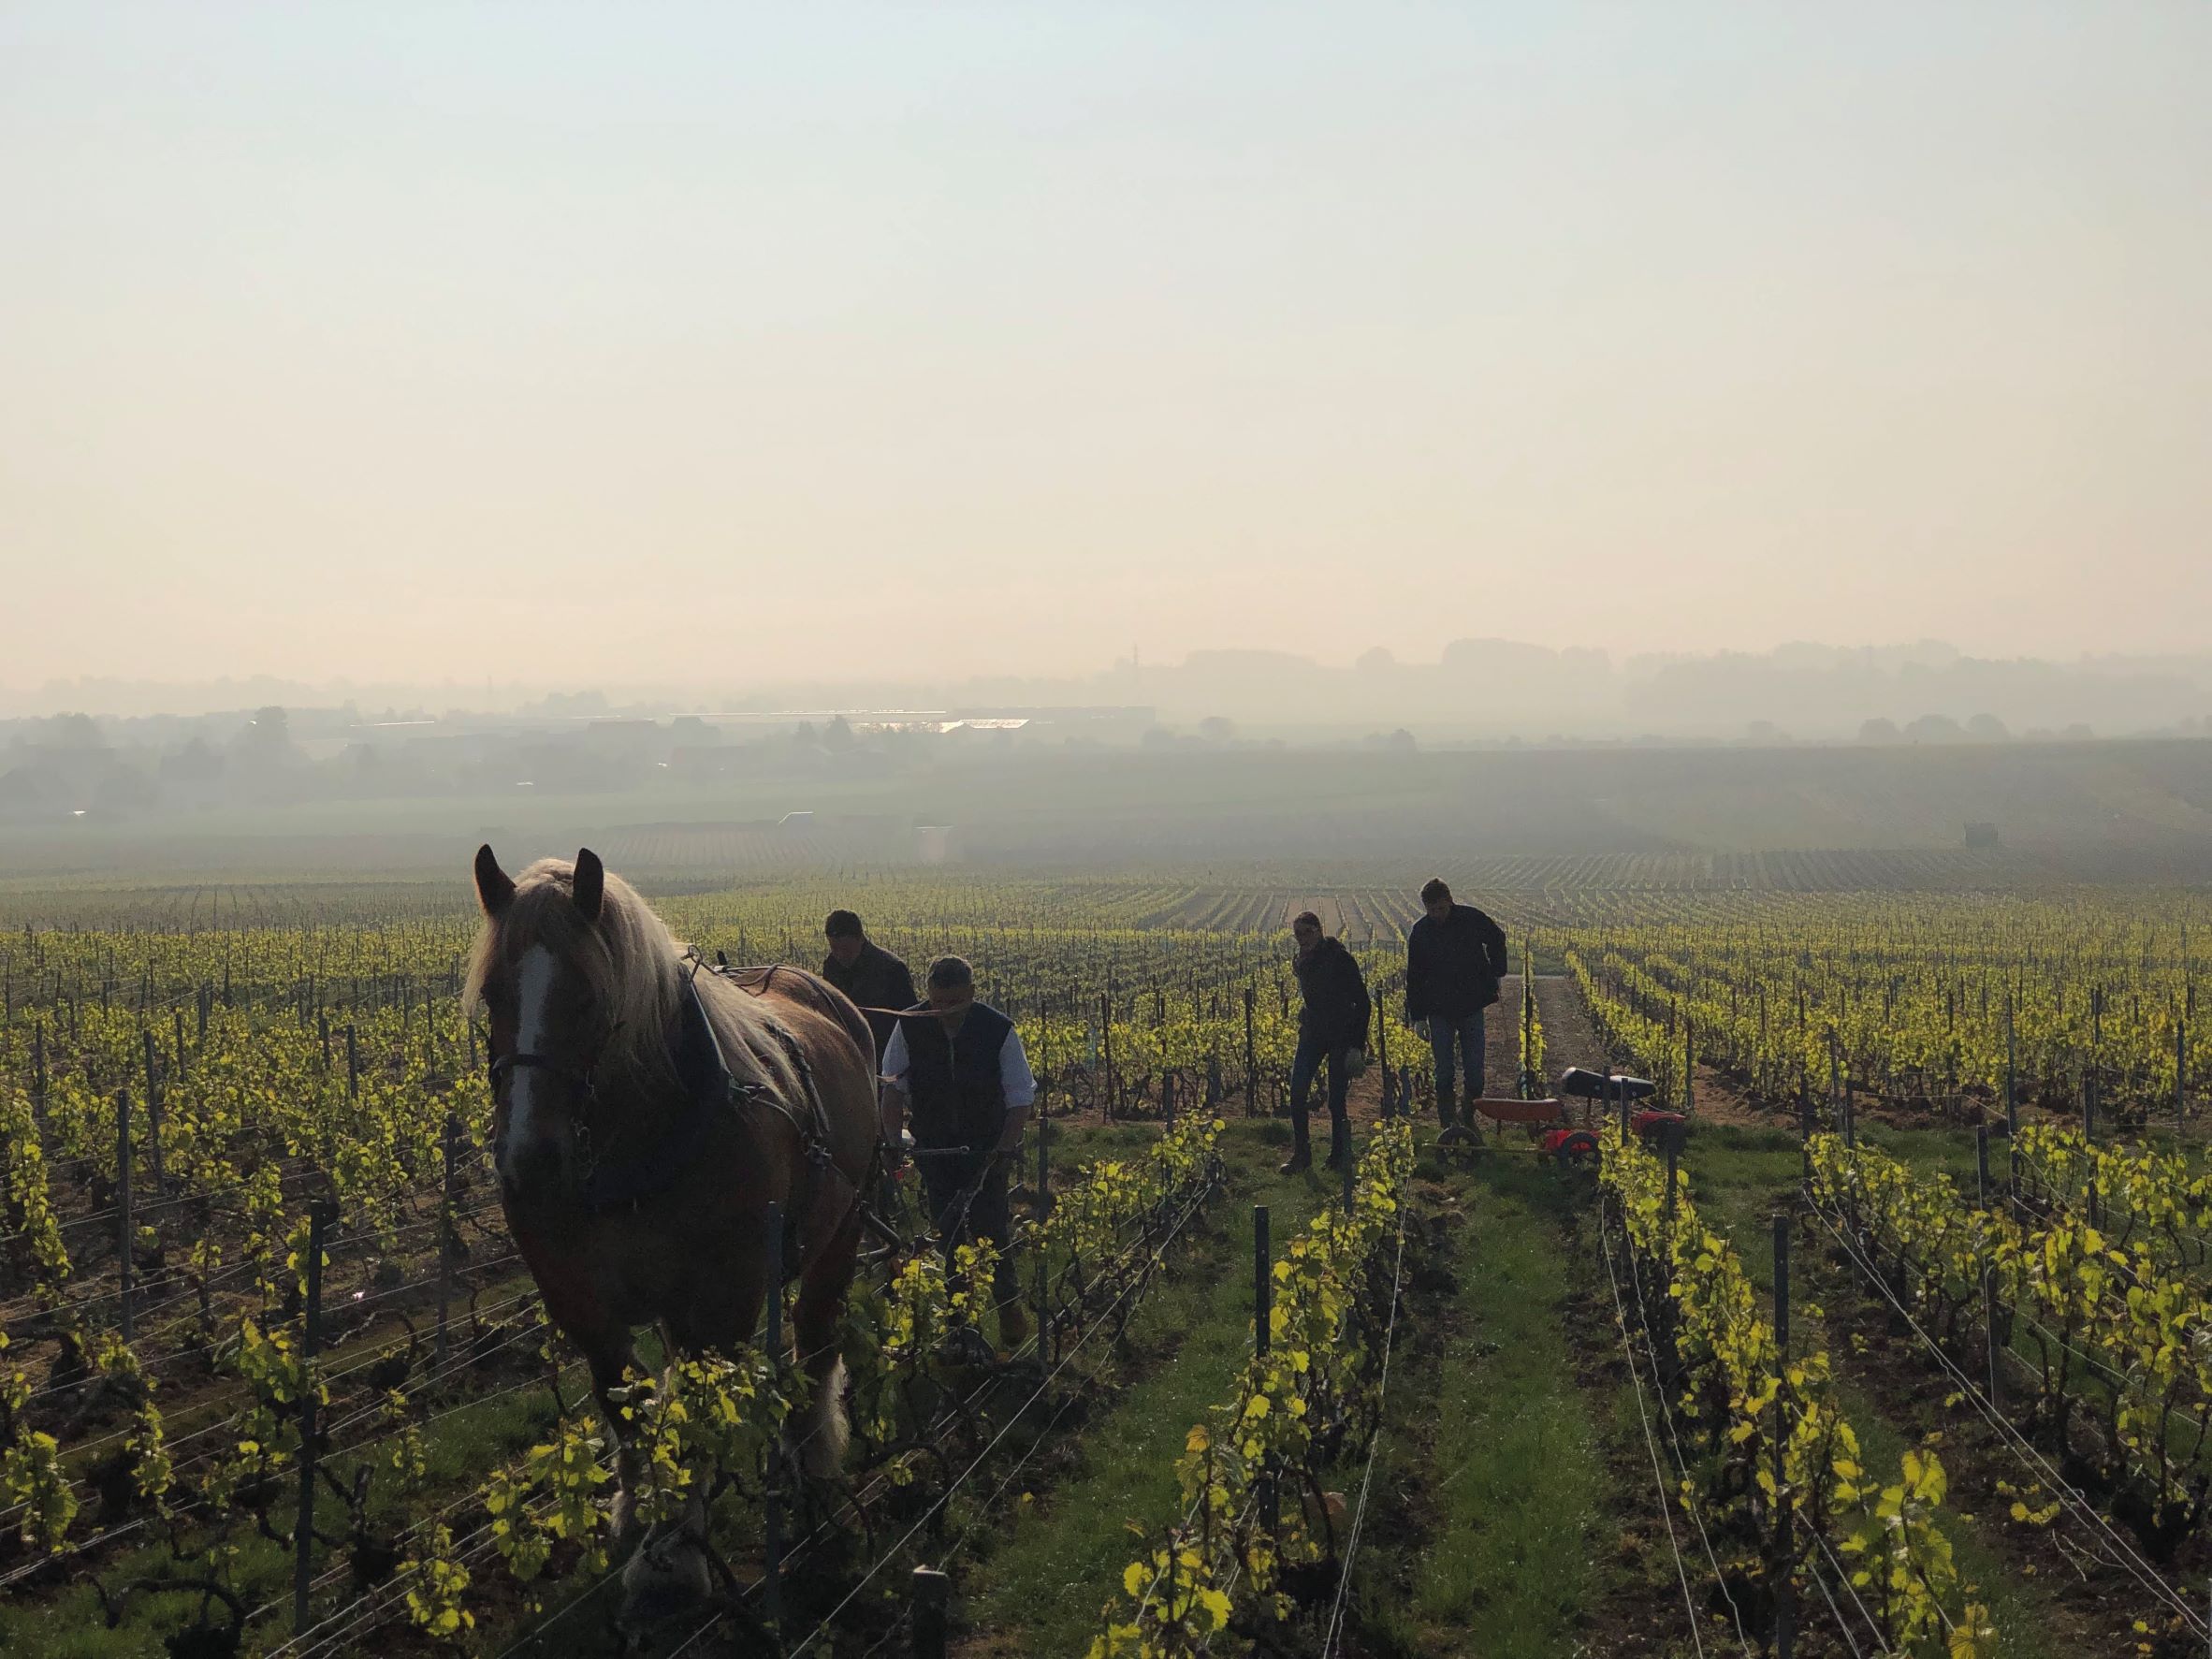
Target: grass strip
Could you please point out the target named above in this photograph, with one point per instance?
(1518, 1474)
(1054, 1562)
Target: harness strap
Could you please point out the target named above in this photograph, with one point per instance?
(708, 1086)
(815, 1130)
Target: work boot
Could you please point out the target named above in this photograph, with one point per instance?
(1340, 1146)
(1014, 1325)
(1301, 1151)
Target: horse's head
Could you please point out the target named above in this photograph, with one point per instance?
(546, 972)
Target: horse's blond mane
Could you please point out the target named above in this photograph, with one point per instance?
(633, 966)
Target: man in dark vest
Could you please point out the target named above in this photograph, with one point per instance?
(865, 972)
(956, 1076)
(1454, 957)
(1332, 1024)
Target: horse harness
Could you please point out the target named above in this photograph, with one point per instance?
(708, 1085)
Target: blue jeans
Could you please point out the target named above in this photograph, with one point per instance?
(1312, 1053)
(1467, 1035)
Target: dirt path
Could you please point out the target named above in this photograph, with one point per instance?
(1523, 1525)
(1569, 1038)
(1631, 1608)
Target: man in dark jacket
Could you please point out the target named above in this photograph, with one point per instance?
(956, 1074)
(866, 972)
(1332, 1024)
(1454, 957)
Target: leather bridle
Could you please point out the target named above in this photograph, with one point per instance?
(506, 1066)
(503, 1067)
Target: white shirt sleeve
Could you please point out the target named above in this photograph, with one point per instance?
(895, 1064)
(1014, 1076)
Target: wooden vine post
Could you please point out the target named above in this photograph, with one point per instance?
(1251, 1055)
(311, 1342)
(929, 1593)
(152, 1113)
(125, 1233)
(448, 1240)
(1263, 1303)
(771, 1502)
(1041, 1207)
(1106, 1053)
(1382, 1052)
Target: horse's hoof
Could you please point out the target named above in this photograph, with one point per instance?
(669, 1576)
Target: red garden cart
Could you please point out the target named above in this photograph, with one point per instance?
(1565, 1127)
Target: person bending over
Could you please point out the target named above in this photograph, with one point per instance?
(1331, 1025)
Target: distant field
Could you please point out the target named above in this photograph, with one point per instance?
(1792, 819)
(1361, 901)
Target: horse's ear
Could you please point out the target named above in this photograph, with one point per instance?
(495, 890)
(591, 885)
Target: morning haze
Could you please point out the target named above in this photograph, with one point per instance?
(982, 828)
(707, 349)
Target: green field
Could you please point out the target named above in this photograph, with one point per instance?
(1516, 1487)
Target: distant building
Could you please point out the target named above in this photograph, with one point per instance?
(1982, 835)
(796, 821)
(1106, 722)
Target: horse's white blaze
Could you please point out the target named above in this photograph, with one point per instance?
(533, 998)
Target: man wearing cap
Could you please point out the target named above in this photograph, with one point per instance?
(955, 1073)
(1332, 1024)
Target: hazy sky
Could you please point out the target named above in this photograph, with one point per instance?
(649, 341)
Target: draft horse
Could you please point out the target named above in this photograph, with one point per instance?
(648, 1110)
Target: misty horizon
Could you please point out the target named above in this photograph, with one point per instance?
(1485, 689)
(1199, 430)
(1681, 534)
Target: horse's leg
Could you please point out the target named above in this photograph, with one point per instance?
(673, 1569)
(831, 1252)
(611, 1356)
(574, 1274)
